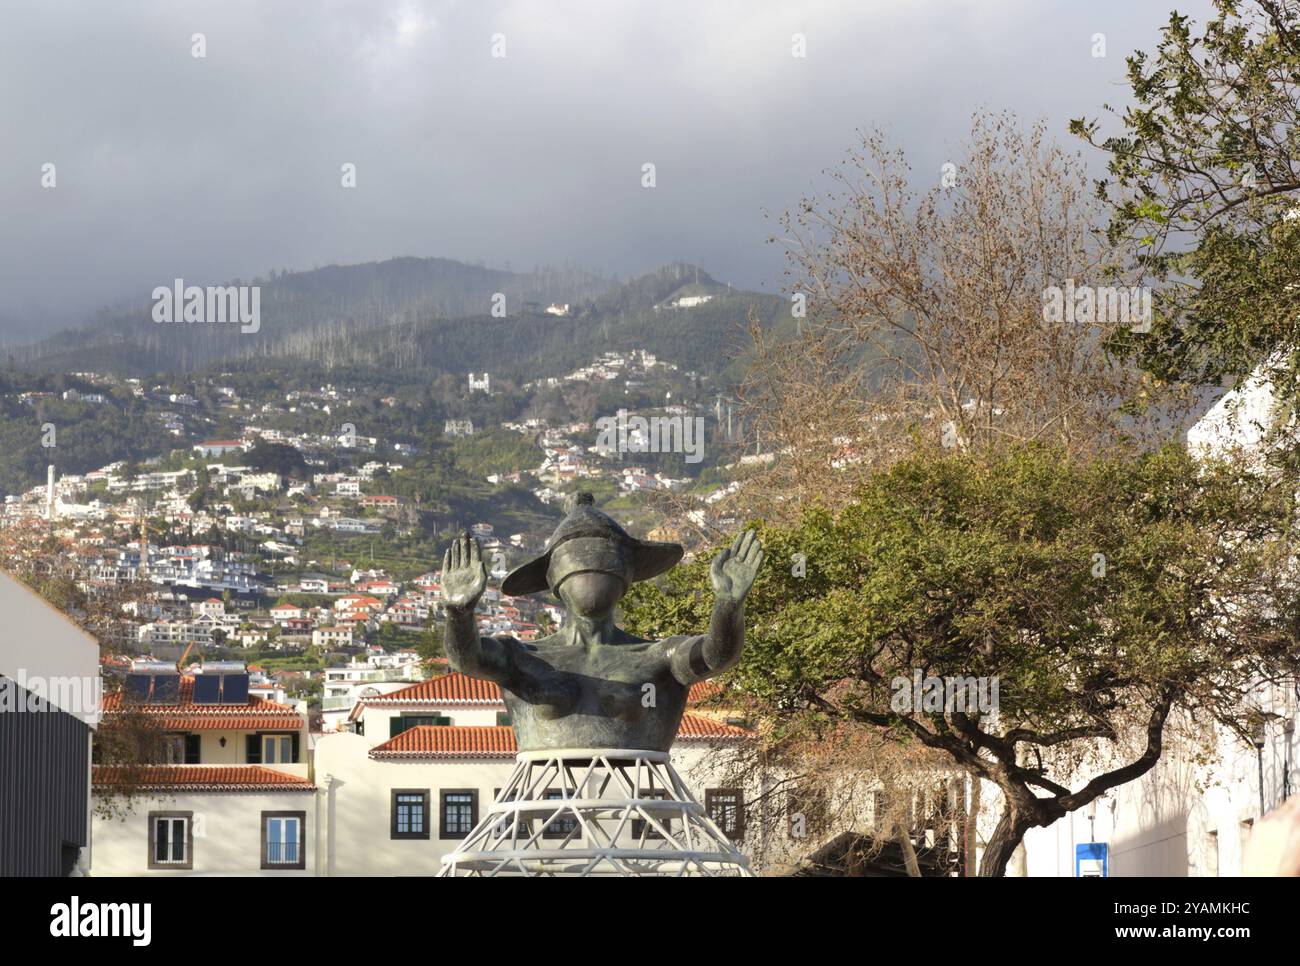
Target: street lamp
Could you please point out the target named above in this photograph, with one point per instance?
(1288, 728)
(1258, 738)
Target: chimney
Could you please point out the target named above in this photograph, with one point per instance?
(49, 493)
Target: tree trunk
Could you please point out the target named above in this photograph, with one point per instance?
(972, 827)
(1002, 843)
(909, 853)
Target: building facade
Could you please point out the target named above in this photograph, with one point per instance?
(412, 778)
(49, 709)
(235, 795)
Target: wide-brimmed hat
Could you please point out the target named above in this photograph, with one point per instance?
(643, 559)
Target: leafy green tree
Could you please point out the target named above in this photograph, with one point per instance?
(1109, 599)
(278, 458)
(1203, 183)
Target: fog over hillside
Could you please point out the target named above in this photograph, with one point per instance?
(229, 165)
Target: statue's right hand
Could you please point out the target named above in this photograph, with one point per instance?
(464, 578)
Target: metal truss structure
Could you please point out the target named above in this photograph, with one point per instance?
(595, 812)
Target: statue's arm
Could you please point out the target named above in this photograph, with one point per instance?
(464, 578)
(491, 658)
(733, 572)
(695, 658)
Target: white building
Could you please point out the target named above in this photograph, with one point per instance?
(1189, 817)
(690, 301)
(404, 788)
(234, 797)
(331, 637)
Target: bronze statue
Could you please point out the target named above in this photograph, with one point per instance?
(592, 684)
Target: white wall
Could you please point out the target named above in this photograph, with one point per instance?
(38, 642)
(377, 726)
(1183, 818)
(234, 753)
(354, 793)
(227, 833)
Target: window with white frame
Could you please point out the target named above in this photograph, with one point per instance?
(410, 818)
(282, 840)
(459, 812)
(277, 749)
(171, 840)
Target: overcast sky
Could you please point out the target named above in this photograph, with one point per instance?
(225, 166)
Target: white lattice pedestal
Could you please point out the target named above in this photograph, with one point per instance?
(603, 811)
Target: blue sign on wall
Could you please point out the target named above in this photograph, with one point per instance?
(1090, 860)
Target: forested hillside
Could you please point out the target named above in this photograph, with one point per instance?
(432, 315)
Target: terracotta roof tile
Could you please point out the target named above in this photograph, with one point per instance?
(703, 691)
(226, 722)
(457, 688)
(203, 778)
(697, 727)
(450, 741)
(498, 741)
(454, 688)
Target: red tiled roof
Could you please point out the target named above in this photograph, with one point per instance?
(702, 691)
(453, 688)
(250, 722)
(498, 741)
(697, 727)
(203, 778)
(450, 741)
(457, 688)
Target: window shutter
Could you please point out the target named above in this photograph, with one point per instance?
(192, 744)
(295, 747)
(253, 749)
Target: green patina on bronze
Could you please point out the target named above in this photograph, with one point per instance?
(591, 684)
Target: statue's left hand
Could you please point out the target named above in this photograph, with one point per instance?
(734, 569)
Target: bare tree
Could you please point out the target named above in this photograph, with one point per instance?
(941, 311)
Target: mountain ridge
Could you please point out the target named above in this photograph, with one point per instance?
(431, 313)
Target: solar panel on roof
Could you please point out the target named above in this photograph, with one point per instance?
(207, 688)
(137, 686)
(166, 689)
(234, 689)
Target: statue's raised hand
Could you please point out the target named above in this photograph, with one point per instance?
(735, 568)
(464, 578)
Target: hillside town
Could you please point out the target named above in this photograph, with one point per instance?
(446, 440)
(225, 547)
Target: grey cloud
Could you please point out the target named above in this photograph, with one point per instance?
(169, 166)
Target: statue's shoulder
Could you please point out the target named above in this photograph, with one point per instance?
(542, 644)
(626, 638)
